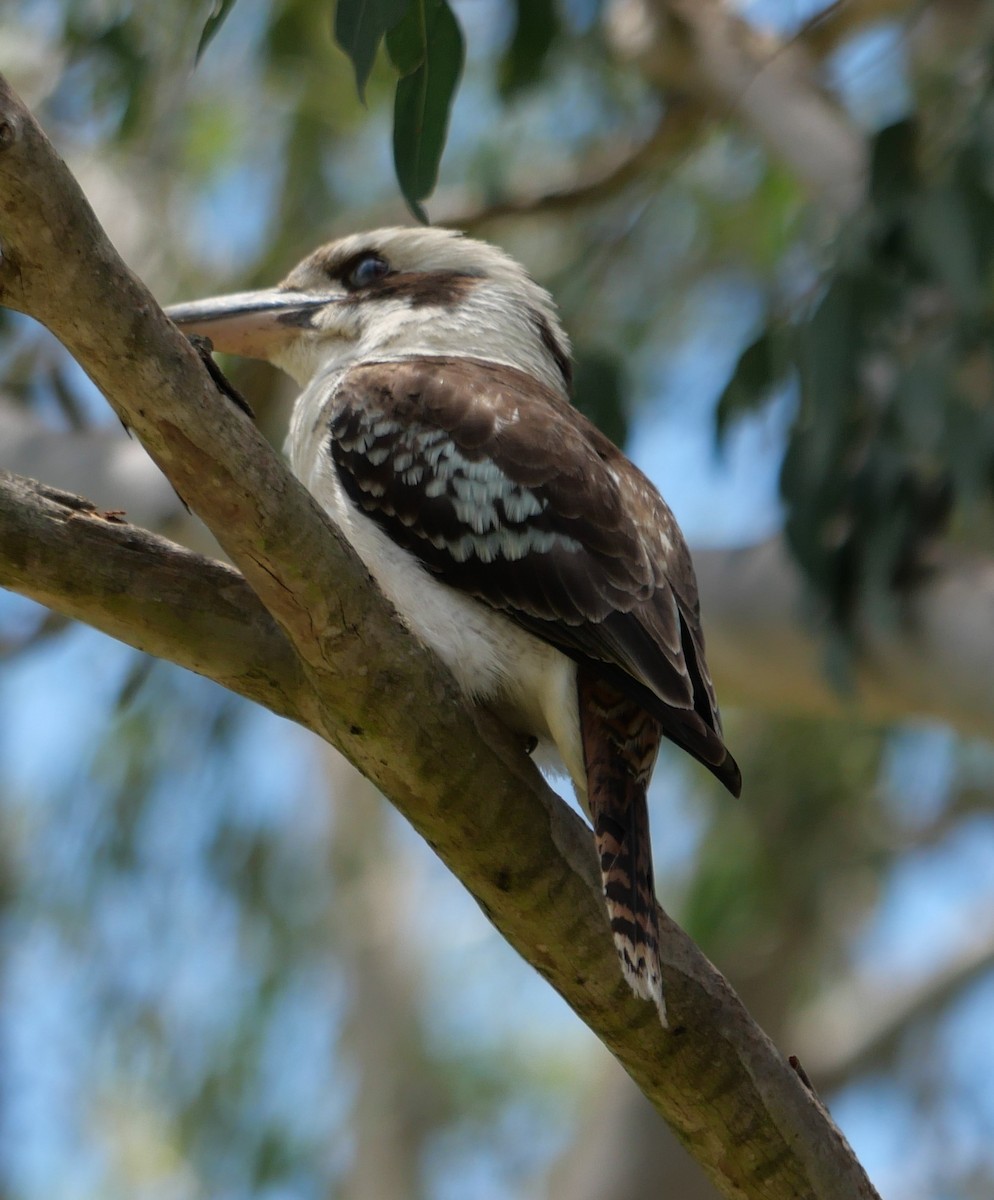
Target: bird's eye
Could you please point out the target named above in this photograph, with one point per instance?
(366, 270)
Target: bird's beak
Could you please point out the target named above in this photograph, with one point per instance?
(252, 324)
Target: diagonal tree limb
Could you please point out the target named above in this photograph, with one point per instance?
(144, 590)
(373, 692)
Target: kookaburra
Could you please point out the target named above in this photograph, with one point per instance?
(511, 536)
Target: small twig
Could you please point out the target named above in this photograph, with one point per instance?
(205, 348)
(801, 1074)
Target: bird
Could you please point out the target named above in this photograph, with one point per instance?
(436, 428)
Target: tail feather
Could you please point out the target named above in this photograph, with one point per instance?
(620, 743)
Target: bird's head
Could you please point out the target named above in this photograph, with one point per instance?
(386, 295)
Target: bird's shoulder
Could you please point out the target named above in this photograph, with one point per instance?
(521, 443)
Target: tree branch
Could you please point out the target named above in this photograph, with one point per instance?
(858, 1025)
(766, 643)
(138, 587)
(680, 127)
(704, 50)
(377, 695)
(827, 30)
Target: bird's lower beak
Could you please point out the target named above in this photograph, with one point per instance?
(252, 324)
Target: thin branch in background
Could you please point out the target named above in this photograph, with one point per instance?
(823, 33)
(859, 1026)
(674, 136)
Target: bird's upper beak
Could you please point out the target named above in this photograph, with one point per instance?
(253, 324)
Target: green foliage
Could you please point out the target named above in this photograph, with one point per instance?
(536, 27)
(427, 49)
(758, 373)
(122, 83)
(599, 391)
(360, 26)
(894, 363)
(425, 45)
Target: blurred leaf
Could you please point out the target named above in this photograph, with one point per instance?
(427, 49)
(816, 477)
(895, 369)
(407, 41)
(761, 366)
(360, 26)
(894, 164)
(979, 206)
(829, 347)
(137, 676)
(944, 236)
(213, 25)
(122, 82)
(535, 28)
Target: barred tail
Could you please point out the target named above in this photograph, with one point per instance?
(620, 742)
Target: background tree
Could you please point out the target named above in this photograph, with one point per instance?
(772, 217)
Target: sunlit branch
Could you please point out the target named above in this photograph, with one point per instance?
(141, 588)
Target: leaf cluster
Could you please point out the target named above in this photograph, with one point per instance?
(893, 364)
(426, 48)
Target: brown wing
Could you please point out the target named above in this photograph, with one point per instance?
(503, 490)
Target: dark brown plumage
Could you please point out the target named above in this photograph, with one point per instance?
(574, 544)
(612, 585)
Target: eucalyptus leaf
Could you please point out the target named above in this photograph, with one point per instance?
(894, 165)
(427, 48)
(407, 41)
(830, 347)
(360, 26)
(535, 28)
(760, 368)
(599, 392)
(945, 238)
